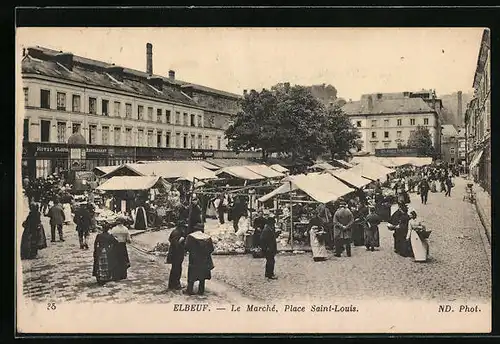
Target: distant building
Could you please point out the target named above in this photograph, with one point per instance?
(478, 118)
(450, 144)
(386, 120)
(123, 115)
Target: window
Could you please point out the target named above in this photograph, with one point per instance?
(358, 124)
(76, 103)
(452, 160)
(150, 114)
(374, 134)
(44, 131)
(211, 121)
(92, 106)
(105, 107)
(140, 137)
(193, 124)
(399, 122)
(92, 134)
(374, 122)
(185, 119)
(25, 90)
(218, 142)
(140, 112)
(61, 132)
(158, 138)
(200, 121)
(386, 145)
(185, 141)
(150, 138)
(177, 117)
(386, 122)
(105, 135)
(118, 136)
(398, 134)
(178, 140)
(452, 150)
(26, 129)
(373, 147)
(128, 136)
(167, 139)
(167, 116)
(207, 142)
(426, 121)
(386, 134)
(76, 128)
(116, 109)
(193, 143)
(45, 99)
(128, 110)
(158, 116)
(412, 121)
(200, 142)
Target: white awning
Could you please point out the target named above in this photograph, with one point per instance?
(121, 183)
(240, 172)
(371, 170)
(476, 159)
(350, 177)
(265, 171)
(279, 168)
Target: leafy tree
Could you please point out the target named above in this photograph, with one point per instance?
(420, 139)
(340, 135)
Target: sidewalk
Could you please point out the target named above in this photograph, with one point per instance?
(483, 206)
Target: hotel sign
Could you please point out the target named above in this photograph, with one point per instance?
(199, 154)
(396, 152)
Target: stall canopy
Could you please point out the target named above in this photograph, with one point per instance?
(343, 163)
(475, 160)
(166, 170)
(279, 168)
(102, 170)
(265, 171)
(240, 172)
(221, 163)
(395, 161)
(323, 188)
(122, 183)
(350, 177)
(322, 166)
(371, 170)
(201, 163)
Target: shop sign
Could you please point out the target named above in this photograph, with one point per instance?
(97, 151)
(198, 154)
(41, 150)
(396, 152)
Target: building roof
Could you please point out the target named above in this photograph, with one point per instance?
(481, 58)
(387, 106)
(40, 60)
(449, 130)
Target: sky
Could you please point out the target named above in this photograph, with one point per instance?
(354, 60)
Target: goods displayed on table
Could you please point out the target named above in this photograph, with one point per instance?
(227, 241)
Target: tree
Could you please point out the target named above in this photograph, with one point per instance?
(340, 135)
(291, 121)
(420, 139)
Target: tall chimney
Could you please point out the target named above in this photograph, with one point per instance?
(459, 109)
(149, 58)
(245, 92)
(370, 103)
(171, 74)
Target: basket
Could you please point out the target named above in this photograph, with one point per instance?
(424, 233)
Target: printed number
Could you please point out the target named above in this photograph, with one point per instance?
(51, 306)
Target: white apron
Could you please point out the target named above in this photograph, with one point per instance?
(318, 248)
(68, 217)
(419, 247)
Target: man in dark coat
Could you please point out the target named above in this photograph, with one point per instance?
(56, 215)
(269, 246)
(258, 225)
(449, 185)
(239, 209)
(342, 222)
(83, 221)
(195, 215)
(423, 189)
(200, 248)
(175, 256)
(399, 220)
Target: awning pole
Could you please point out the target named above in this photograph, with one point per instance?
(291, 216)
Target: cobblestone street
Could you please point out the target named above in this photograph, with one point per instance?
(458, 268)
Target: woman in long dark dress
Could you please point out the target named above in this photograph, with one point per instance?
(120, 253)
(371, 234)
(32, 238)
(104, 256)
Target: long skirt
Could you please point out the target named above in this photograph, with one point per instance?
(102, 269)
(121, 262)
(318, 246)
(358, 234)
(372, 238)
(29, 244)
(140, 219)
(419, 247)
(68, 217)
(198, 273)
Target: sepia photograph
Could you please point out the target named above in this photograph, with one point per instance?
(253, 180)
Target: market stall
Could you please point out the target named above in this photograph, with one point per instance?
(351, 178)
(279, 168)
(372, 171)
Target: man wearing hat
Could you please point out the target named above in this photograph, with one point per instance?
(342, 222)
(268, 244)
(175, 255)
(195, 214)
(200, 248)
(399, 223)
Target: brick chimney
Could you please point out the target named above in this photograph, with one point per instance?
(149, 58)
(370, 103)
(245, 92)
(171, 74)
(459, 109)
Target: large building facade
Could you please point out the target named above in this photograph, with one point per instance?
(124, 115)
(478, 119)
(386, 120)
